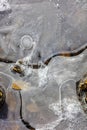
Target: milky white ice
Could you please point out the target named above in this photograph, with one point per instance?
(4, 5)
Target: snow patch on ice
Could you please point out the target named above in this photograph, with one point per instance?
(42, 73)
(4, 5)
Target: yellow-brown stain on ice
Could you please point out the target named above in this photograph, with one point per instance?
(20, 85)
(11, 101)
(33, 107)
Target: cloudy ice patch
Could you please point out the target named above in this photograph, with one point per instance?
(4, 5)
(63, 76)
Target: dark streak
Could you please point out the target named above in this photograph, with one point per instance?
(27, 124)
(67, 54)
(2, 97)
(64, 54)
(46, 62)
(6, 60)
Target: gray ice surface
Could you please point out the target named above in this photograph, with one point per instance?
(50, 101)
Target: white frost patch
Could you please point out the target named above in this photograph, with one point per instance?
(55, 107)
(4, 5)
(42, 74)
(28, 71)
(71, 108)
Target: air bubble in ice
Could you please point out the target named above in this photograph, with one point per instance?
(26, 42)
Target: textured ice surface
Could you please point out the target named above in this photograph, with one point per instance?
(50, 102)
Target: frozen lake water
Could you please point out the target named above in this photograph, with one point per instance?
(34, 30)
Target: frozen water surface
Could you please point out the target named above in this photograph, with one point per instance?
(37, 29)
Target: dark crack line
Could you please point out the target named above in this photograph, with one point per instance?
(27, 124)
(64, 54)
(45, 62)
(6, 60)
(67, 54)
